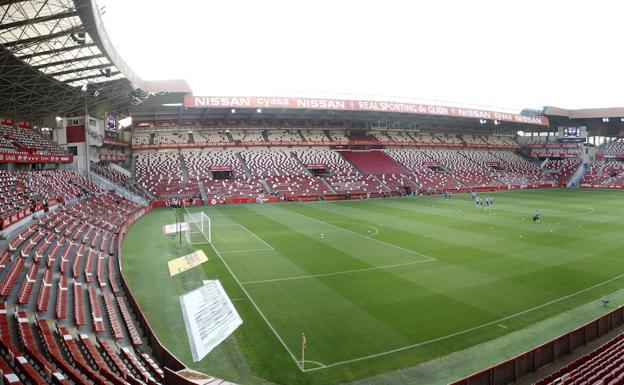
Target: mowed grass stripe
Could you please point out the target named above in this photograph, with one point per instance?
(525, 289)
(397, 317)
(305, 253)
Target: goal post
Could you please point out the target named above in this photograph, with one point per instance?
(199, 229)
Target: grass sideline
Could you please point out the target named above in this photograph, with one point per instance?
(387, 274)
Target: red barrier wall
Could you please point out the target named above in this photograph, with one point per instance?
(159, 352)
(510, 371)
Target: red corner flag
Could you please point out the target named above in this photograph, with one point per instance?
(304, 343)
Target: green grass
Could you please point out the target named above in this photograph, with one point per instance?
(392, 283)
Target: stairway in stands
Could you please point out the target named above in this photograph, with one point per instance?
(303, 166)
(373, 162)
(202, 191)
(245, 167)
(183, 168)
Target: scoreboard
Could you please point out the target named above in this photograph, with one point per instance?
(572, 134)
(110, 126)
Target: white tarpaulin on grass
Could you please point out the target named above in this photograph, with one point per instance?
(175, 227)
(209, 317)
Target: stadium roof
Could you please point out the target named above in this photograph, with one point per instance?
(55, 58)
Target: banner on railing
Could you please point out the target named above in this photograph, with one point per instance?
(110, 157)
(323, 144)
(15, 217)
(16, 157)
(220, 168)
(115, 142)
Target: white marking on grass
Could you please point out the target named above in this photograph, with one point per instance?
(364, 236)
(363, 225)
(322, 365)
(257, 237)
(336, 272)
(503, 326)
(266, 320)
(246, 251)
(498, 321)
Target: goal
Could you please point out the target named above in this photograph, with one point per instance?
(198, 230)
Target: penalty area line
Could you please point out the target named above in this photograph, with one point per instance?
(335, 273)
(264, 318)
(245, 251)
(257, 237)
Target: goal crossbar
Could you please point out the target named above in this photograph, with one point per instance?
(199, 229)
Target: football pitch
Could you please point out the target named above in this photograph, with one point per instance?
(383, 284)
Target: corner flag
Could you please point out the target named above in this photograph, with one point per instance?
(304, 345)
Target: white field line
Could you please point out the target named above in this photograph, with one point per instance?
(363, 225)
(257, 237)
(336, 273)
(316, 363)
(498, 321)
(266, 320)
(245, 251)
(366, 237)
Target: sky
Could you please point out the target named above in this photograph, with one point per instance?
(510, 54)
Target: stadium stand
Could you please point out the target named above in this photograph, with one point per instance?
(203, 164)
(614, 148)
(210, 137)
(283, 174)
(247, 135)
(427, 172)
(115, 176)
(607, 173)
(59, 237)
(562, 169)
(373, 162)
(604, 365)
(162, 175)
(27, 141)
(259, 170)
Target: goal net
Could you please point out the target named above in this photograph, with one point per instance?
(198, 230)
